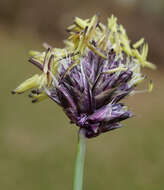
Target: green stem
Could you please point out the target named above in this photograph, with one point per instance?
(80, 159)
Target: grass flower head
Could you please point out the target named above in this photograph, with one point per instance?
(88, 78)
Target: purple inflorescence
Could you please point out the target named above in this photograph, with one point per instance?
(89, 77)
(90, 97)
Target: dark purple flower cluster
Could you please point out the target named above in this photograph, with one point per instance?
(90, 96)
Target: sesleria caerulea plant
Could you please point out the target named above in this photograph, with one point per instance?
(88, 78)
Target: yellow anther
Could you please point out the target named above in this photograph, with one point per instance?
(80, 22)
(92, 27)
(71, 27)
(98, 52)
(42, 80)
(28, 84)
(137, 80)
(138, 43)
(115, 70)
(39, 97)
(150, 86)
(144, 52)
(112, 23)
(125, 44)
(150, 65)
(34, 53)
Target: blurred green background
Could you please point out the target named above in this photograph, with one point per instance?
(37, 143)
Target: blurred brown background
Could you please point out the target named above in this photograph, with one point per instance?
(37, 143)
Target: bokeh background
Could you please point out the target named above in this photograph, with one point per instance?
(37, 143)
